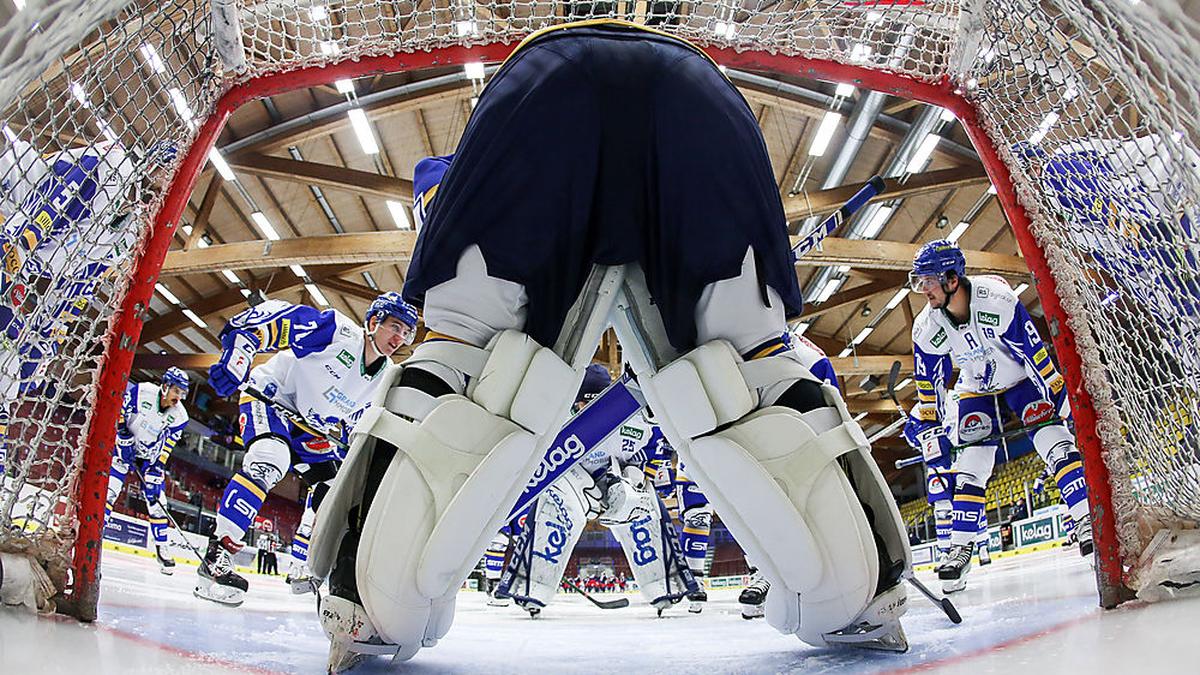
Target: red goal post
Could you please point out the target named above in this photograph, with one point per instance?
(995, 68)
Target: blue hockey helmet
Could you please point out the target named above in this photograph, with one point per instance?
(175, 377)
(595, 379)
(391, 304)
(935, 259)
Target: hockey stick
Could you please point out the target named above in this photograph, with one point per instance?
(292, 415)
(909, 575)
(171, 519)
(909, 461)
(602, 604)
(813, 238)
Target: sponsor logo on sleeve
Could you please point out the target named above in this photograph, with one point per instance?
(346, 358)
(987, 319)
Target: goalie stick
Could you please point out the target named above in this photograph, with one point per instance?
(945, 604)
(813, 237)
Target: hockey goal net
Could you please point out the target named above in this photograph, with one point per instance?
(1082, 112)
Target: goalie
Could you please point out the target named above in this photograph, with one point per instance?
(588, 164)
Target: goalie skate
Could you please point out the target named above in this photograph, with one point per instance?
(352, 636)
(878, 627)
(696, 601)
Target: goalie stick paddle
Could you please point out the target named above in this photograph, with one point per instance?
(813, 238)
(602, 604)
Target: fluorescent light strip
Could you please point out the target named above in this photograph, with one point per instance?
(195, 318)
(473, 69)
(180, 103)
(150, 55)
(921, 157)
(362, 129)
(233, 278)
(824, 134)
(221, 165)
(1044, 128)
(317, 294)
(329, 48)
(844, 90)
(245, 292)
(958, 231)
(878, 220)
(801, 327)
(399, 215)
(863, 334)
(845, 352)
(264, 226)
(1021, 289)
(344, 86)
(78, 95)
(298, 271)
(897, 298)
(166, 293)
(904, 383)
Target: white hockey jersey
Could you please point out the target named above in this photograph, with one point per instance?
(155, 431)
(322, 373)
(995, 349)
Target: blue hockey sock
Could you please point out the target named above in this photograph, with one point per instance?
(300, 548)
(1068, 475)
(158, 528)
(239, 505)
(694, 541)
(969, 501)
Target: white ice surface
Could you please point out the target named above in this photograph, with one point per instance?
(1029, 614)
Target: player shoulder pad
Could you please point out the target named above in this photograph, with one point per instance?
(427, 175)
(929, 334)
(992, 301)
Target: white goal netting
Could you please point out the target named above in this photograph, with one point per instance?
(1085, 110)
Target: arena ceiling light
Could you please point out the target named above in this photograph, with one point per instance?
(904, 383)
(399, 215)
(200, 323)
(317, 294)
(878, 220)
(845, 352)
(801, 327)
(921, 157)
(344, 86)
(233, 278)
(1044, 128)
(362, 129)
(958, 231)
(150, 56)
(298, 271)
(863, 335)
(1021, 289)
(820, 143)
(166, 293)
(220, 165)
(473, 70)
(897, 299)
(264, 226)
(465, 28)
(844, 90)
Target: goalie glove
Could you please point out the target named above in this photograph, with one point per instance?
(227, 375)
(627, 499)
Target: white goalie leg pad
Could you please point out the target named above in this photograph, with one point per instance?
(447, 489)
(774, 477)
(555, 527)
(655, 558)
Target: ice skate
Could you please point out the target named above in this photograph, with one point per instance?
(301, 580)
(493, 599)
(696, 601)
(753, 597)
(166, 562)
(1083, 533)
(985, 555)
(953, 572)
(218, 582)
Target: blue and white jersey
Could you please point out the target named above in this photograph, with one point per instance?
(814, 358)
(995, 349)
(154, 431)
(320, 370)
(636, 441)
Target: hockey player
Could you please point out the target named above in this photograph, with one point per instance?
(327, 369)
(152, 420)
(616, 131)
(610, 483)
(298, 577)
(67, 223)
(979, 325)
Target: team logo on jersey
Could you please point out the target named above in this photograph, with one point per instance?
(1037, 412)
(974, 426)
(988, 319)
(242, 424)
(346, 358)
(939, 339)
(318, 445)
(982, 291)
(16, 296)
(632, 431)
(145, 405)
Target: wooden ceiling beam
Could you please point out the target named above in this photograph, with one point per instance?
(850, 366)
(361, 291)
(200, 224)
(324, 175)
(159, 327)
(824, 202)
(395, 246)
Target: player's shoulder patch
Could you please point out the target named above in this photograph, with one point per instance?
(928, 333)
